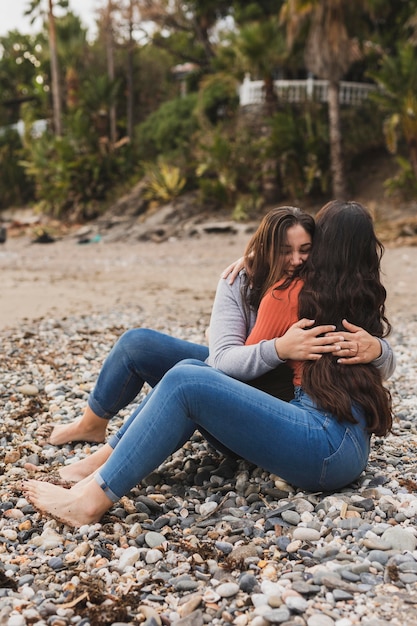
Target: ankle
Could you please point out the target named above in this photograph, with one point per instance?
(98, 501)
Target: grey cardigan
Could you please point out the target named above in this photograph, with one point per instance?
(230, 325)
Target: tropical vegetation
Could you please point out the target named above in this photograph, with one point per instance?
(153, 96)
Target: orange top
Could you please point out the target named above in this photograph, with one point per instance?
(278, 311)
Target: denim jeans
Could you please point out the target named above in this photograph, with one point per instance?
(140, 355)
(297, 441)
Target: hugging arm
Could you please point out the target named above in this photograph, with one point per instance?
(230, 325)
(353, 346)
(232, 271)
(358, 346)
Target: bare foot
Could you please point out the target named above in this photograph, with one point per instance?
(81, 469)
(41, 474)
(34, 468)
(89, 428)
(74, 507)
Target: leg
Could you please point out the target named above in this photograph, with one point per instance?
(54, 502)
(88, 427)
(293, 440)
(81, 469)
(140, 355)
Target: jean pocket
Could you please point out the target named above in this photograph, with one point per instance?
(345, 464)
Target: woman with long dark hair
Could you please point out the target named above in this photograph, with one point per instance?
(316, 441)
(339, 282)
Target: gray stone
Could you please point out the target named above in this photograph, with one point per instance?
(400, 539)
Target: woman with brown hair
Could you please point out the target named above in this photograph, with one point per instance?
(319, 441)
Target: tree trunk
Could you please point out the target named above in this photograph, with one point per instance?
(270, 187)
(110, 69)
(129, 79)
(336, 155)
(56, 90)
(412, 151)
(271, 99)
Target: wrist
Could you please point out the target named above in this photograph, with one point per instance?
(378, 348)
(279, 349)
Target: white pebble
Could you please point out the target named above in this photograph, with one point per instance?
(128, 558)
(306, 534)
(16, 620)
(227, 590)
(153, 556)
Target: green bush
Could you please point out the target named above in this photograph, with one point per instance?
(218, 97)
(228, 166)
(72, 175)
(169, 131)
(16, 188)
(362, 130)
(403, 183)
(164, 182)
(299, 142)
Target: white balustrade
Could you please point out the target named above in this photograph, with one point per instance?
(252, 91)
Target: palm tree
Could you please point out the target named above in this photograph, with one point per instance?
(35, 10)
(329, 53)
(129, 21)
(131, 9)
(108, 13)
(260, 50)
(73, 54)
(397, 78)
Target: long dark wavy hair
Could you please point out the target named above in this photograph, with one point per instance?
(342, 281)
(264, 260)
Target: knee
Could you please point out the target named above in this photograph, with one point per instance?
(191, 362)
(129, 346)
(134, 338)
(185, 372)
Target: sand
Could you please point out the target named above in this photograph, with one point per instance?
(175, 279)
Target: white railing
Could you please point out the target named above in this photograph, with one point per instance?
(38, 127)
(253, 91)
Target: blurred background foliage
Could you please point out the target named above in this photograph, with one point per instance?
(155, 97)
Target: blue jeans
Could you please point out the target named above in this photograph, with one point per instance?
(140, 355)
(297, 441)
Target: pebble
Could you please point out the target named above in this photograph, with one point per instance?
(128, 558)
(400, 539)
(292, 517)
(277, 616)
(154, 540)
(204, 540)
(16, 620)
(153, 556)
(306, 534)
(320, 620)
(227, 590)
(27, 390)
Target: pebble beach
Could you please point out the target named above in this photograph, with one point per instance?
(205, 539)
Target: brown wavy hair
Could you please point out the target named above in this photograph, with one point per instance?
(264, 261)
(342, 281)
